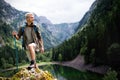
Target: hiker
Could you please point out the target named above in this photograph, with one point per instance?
(30, 32)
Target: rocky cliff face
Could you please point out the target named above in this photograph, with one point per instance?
(7, 12)
(61, 31)
(65, 30)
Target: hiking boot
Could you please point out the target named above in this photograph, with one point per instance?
(31, 66)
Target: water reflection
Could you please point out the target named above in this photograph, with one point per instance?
(67, 73)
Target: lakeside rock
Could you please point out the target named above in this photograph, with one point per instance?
(33, 74)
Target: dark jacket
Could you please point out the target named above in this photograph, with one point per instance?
(35, 33)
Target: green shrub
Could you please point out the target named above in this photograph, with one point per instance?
(111, 75)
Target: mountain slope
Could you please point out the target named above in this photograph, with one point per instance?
(66, 30)
(7, 12)
(62, 31)
(98, 40)
(86, 17)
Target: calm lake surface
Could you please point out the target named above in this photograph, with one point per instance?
(68, 73)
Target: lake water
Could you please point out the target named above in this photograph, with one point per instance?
(68, 73)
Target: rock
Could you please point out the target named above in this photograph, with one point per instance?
(33, 74)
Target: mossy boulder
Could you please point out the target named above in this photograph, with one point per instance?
(33, 74)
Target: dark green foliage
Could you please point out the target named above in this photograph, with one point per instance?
(102, 31)
(99, 39)
(7, 52)
(68, 50)
(111, 75)
(8, 57)
(5, 30)
(113, 53)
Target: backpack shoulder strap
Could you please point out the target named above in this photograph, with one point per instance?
(35, 28)
(23, 29)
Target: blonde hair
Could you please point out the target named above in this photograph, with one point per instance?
(27, 14)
